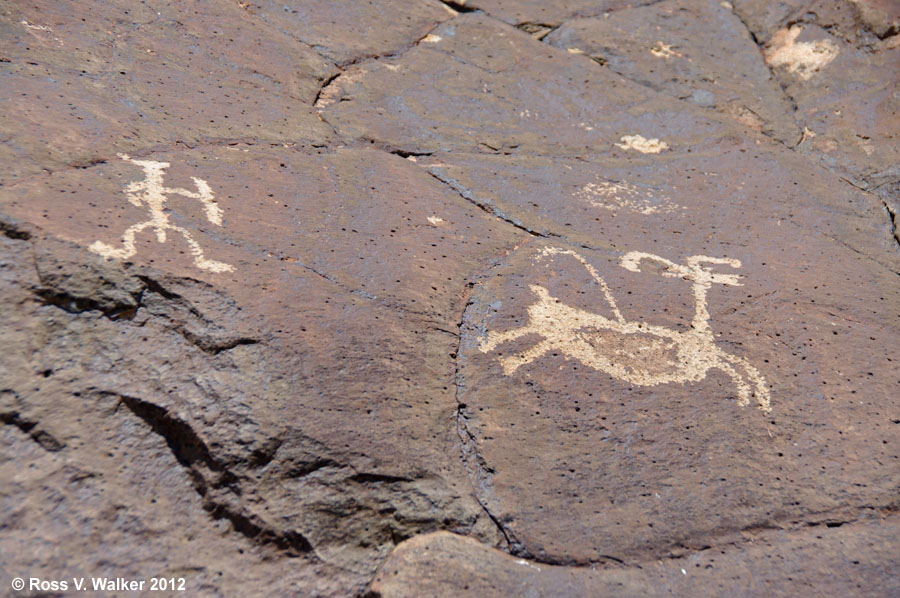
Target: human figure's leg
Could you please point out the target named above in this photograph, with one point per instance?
(199, 258)
(128, 249)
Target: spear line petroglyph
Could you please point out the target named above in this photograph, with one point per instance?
(151, 192)
(636, 352)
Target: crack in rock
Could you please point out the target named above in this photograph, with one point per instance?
(894, 222)
(41, 437)
(213, 481)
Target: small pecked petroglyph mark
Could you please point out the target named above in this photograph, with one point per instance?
(661, 50)
(525, 563)
(641, 144)
(636, 352)
(35, 27)
(613, 196)
(31, 27)
(152, 193)
(803, 59)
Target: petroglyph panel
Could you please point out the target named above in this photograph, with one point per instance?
(659, 382)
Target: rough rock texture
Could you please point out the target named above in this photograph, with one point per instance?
(838, 62)
(849, 107)
(345, 31)
(79, 89)
(236, 376)
(696, 51)
(543, 13)
(480, 298)
(448, 94)
(860, 21)
(818, 560)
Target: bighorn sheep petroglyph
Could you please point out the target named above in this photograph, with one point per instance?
(636, 352)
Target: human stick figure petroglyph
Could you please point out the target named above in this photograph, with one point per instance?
(151, 192)
(636, 352)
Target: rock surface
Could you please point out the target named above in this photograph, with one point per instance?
(838, 62)
(544, 13)
(346, 31)
(696, 51)
(849, 561)
(482, 298)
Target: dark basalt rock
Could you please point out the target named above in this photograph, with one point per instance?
(696, 51)
(478, 298)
